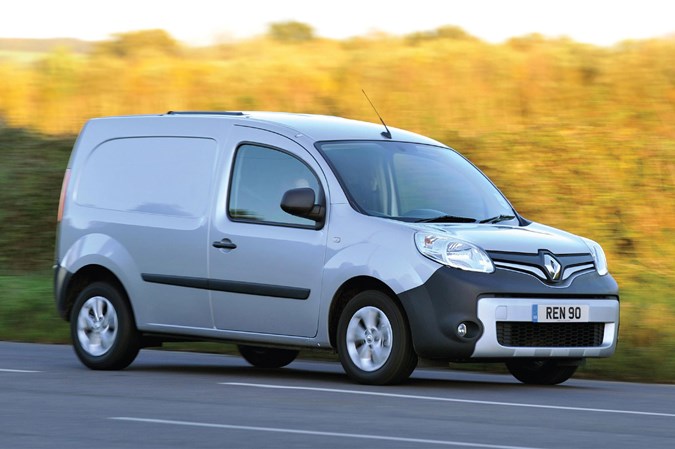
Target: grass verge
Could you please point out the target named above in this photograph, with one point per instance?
(28, 312)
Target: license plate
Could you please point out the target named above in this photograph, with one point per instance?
(559, 313)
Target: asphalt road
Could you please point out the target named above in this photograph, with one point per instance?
(182, 400)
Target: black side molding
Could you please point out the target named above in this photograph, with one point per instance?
(180, 281)
(246, 288)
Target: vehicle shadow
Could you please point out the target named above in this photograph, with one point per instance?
(329, 374)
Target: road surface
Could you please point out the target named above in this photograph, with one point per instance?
(185, 400)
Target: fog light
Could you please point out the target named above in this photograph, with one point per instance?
(461, 329)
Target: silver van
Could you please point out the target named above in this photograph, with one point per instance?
(280, 232)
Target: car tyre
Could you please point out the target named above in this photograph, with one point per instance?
(373, 340)
(268, 358)
(102, 328)
(541, 372)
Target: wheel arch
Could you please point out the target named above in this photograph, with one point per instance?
(347, 291)
(88, 275)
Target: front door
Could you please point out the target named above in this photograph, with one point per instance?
(265, 266)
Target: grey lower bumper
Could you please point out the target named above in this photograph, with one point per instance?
(493, 310)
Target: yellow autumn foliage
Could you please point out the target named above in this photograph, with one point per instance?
(579, 137)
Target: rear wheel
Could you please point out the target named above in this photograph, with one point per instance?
(269, 358)
(102, 328)
(374, 342)
(541, 372)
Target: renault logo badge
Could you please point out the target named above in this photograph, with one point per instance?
(553, 267)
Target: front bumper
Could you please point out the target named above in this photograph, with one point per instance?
(451, 296)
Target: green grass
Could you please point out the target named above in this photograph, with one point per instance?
(645, 351)
(28, 312)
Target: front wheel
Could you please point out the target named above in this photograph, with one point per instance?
(374, 342)
(102, 328)
(268, 358)
(541, 372)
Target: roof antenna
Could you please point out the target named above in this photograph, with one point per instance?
(386, 133)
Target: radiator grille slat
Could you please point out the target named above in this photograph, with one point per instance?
(550, 335)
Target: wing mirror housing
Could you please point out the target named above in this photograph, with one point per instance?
(302, 203)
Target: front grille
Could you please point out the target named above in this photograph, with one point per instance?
(550, 335)
(535, 264)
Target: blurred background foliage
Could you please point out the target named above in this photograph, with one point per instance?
(579, 137)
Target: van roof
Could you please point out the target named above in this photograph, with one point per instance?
(316, 127)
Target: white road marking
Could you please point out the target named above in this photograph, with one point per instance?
(3, 370)
(317, 433)
(442, 399)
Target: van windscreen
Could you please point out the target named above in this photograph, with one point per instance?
(414, 182)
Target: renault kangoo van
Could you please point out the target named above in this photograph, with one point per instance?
(281, 232)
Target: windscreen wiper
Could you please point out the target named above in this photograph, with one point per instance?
(498, 218)
(446, 219)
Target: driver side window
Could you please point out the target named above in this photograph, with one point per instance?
(260, 177)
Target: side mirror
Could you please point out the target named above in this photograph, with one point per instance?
(301, 203)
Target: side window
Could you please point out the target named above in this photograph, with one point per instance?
(260, 178)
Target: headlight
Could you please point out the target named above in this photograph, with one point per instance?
(598, 256)
(453, 252)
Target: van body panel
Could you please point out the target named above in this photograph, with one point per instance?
(93, 249)
(355, 250)
(160, 237)
(324, 127)
(268, 256)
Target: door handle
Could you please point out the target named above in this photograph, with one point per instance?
(224, 244)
